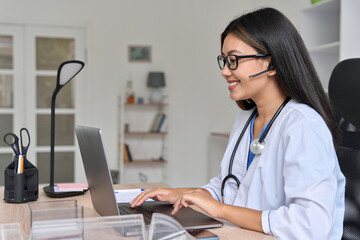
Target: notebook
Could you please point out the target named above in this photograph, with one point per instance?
(102, 191)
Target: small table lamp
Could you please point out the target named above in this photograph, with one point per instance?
(155, 81)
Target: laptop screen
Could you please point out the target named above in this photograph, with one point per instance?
(96, 169)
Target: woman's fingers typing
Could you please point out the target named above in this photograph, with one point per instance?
(199, 197)
(180, 202)
(160, 194)
(142, 197)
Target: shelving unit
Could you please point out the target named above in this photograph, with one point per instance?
(147, 148)
(329, 32)
(144, 133)
(220, 134)
(146, 161)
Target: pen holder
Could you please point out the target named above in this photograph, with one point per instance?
(21, 187)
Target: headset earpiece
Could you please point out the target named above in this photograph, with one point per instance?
(270, 67)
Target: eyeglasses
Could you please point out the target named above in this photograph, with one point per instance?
(232, 60)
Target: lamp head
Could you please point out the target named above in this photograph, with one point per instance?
(156, 79)
(67, 71)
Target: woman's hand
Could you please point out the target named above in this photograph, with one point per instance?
(201, 198)
(243, 217)
(159, 194)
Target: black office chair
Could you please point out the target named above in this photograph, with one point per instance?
(344, 94)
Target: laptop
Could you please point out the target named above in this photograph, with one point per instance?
(102, 191)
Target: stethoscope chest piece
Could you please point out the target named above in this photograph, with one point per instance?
(256, 147)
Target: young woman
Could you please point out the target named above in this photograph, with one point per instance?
(279, 173)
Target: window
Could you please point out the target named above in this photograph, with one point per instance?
(27, 81)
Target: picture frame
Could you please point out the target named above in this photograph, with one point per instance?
(139, 53)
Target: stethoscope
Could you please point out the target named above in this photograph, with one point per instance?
(256, 146)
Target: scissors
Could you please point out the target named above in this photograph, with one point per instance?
(13, 141)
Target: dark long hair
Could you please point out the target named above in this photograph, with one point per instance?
(269, 31)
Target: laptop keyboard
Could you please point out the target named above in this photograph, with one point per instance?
(144, 210)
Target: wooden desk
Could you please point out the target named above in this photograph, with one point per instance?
(12, 213)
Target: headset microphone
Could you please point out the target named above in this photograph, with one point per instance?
(260, 73)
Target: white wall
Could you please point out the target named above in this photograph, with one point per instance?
(184, 35)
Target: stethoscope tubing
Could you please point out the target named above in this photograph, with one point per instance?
(267, 129)
(231, 163)
(239, 139)
(262, 138)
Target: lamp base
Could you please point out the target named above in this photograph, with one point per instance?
(156, 95)
(50, 192)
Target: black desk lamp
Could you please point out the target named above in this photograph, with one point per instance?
(67, 71)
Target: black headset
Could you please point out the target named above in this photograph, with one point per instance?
(270, 67)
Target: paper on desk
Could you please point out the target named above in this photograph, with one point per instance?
(70, 187)
(127, 195)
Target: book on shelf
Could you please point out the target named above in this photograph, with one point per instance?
(126, 152)
(162, 119)
(158, 122)
(155, 122)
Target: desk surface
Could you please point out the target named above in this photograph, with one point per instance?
(11, 213)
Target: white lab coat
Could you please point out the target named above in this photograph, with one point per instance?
(296, 182)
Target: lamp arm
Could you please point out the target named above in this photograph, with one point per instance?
(52, 137)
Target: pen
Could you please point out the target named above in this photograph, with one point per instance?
(129, 190)
(20, 165)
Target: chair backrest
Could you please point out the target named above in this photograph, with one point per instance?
(344, 94)
(344, 90)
